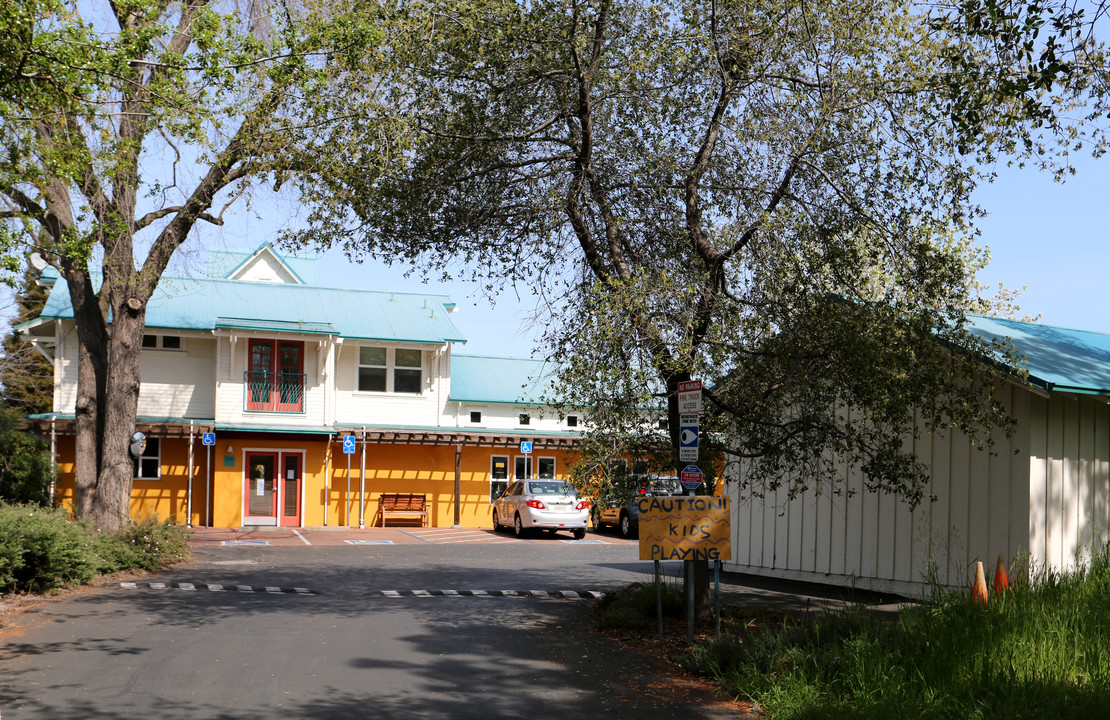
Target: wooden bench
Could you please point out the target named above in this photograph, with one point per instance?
(405, 505)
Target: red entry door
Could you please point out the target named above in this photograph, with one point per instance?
(291, 489)
(260, 489)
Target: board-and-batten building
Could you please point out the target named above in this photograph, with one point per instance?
(281, 369)
(1042, 496)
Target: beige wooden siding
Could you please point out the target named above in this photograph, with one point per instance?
(360, 408)
(876, 541)
(1069, 479)
(179, 383)
(232, 362)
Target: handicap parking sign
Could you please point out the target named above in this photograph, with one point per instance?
(526, 447)
(208, 438)
(348, 444)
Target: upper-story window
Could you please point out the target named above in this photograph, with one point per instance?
(397, 370)
(162, 342)
(276, 379)
(572, 421)
(408, 373)
(371, 369)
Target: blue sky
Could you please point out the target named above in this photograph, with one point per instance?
(1052, 238)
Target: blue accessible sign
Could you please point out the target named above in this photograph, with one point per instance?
(525, 447)
(348, 444)
(691, 477)
(208, 438)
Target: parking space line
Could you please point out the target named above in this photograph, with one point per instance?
(302, 537)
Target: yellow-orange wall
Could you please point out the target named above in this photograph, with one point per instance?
(422, 469)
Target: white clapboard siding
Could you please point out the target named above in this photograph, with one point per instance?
(179, 383)
(399, 409)
(1042, 495)
(231, 362)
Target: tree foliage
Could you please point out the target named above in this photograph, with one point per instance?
(26, 376)
(25, 465)
(124, 125)
(772, 197)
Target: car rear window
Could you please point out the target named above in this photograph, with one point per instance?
(550, 488)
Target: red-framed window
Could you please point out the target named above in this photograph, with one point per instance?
(276, 379)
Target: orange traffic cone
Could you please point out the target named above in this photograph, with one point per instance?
(979, 591)
(1001, 582)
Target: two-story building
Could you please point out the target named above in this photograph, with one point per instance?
(269, 399)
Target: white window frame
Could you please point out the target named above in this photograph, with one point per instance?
(505, 481)
(156, 457)
(419, 368)
(577, 421)
(523, 419)
(470, 416)
(528, 468)
(391, 367)
(539, 465)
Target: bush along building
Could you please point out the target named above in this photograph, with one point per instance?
(269, 399)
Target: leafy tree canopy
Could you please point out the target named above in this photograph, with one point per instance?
(772, 197)
(124, 124)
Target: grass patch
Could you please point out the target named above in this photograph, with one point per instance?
(1039, 652)
(42, 550)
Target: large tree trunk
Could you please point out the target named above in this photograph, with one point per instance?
(119, 406)
(92, 373)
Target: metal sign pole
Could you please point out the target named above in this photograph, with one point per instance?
(362, 484)
(659, 599)
(348, 515)
(207, 483)
(189, 489)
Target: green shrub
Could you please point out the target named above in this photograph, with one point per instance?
(25, 466)
(40, 549)
(148, 545)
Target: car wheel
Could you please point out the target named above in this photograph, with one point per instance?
(595, 520)
(496, 525)
(518, 527)
(579, 533)
(626, 526)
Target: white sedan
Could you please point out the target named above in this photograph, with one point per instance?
(550, 505)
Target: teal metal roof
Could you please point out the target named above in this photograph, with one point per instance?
(205, 304)
(1056, 358)
(500, 380)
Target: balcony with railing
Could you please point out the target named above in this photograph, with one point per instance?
(274, 392)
